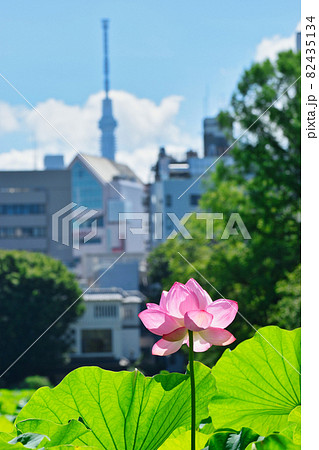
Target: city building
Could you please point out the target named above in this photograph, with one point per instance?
(108, 334)
(54, 162)
(107, 188)
(28, 199)
(107, 123)
(178, 185)
(298, 41)
(174, 179)
(215, 142)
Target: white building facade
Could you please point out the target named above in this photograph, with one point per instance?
(109, 329)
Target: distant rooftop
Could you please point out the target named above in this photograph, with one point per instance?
(106, 169)
(113, 294)
(54, 162)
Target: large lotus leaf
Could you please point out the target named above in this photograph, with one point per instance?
(295, 420)
(6, 437)
(58, 434)
(28, 440)
(124, 410)
(6, 425)
(183, 441)
(232, 440)
(207, 427)
(72, 447)
(258, 383)
(275, 442)
(7, 446)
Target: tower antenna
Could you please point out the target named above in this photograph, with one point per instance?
(105, 24)
(107, 123)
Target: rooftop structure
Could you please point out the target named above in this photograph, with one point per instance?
(54, 162)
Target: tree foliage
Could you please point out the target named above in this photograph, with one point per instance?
(34, 291)
(287, 311)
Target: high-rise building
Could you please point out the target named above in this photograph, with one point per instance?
(178, 185)
(28, 200)
(176, 190)
(107, 123)
(215, 142)
(298, 41)
(108, 188)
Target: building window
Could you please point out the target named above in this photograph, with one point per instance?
(99, 220)
(115, 207)
(93, 240)
(169, 225)
(96, 341)
(105, 311)
(86, 190)
(194, 199)
(22, 232)
(168, 200)
(22, 209)
(128, 313)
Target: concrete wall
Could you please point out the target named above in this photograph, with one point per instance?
(51, 188)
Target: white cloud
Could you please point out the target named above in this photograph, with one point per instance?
(141, 160)
(143, 126)
(9, 118)
(65, 125)
(270, 47)
(20, 160)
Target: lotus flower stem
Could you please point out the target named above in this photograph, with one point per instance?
(193, 400)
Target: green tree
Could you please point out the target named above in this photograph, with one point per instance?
(287, 312)
(34, 291)
(263, 186)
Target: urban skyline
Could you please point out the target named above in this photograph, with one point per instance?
(145, 121)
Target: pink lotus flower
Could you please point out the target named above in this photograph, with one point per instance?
(189, 307)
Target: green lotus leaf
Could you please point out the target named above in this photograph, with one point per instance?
(28, 440)
(183, 441)
(6, 425)
(6, 437)
(275, 442)
(231, 440)
(258, 383)
(7, 446)
(295, 419)
(123, 409)
(72, 447)
(59, 434)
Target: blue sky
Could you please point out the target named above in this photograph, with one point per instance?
(158, 49)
